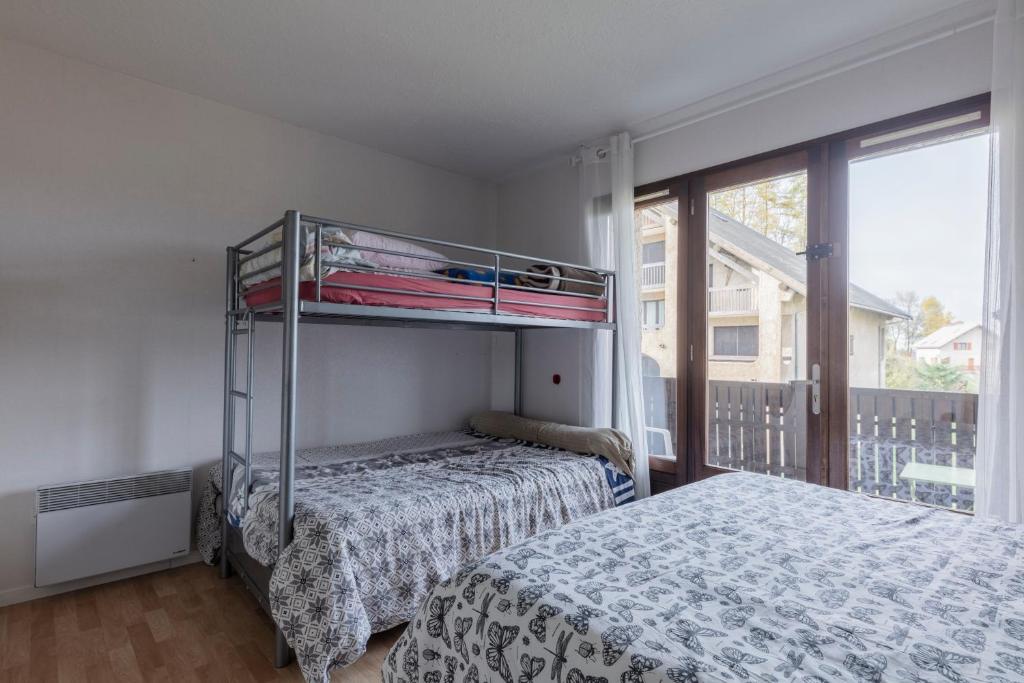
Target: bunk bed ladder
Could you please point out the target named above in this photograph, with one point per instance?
(231, 457)
(245, 458)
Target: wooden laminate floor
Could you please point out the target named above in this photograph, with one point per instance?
(184, 624)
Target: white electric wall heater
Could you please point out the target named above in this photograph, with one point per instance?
(93, 527)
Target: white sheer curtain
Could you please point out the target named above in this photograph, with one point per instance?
(1000, 459)
(606, 208)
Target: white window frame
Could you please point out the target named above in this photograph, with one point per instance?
(659, 314)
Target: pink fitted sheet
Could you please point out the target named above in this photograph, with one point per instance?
(512, 301)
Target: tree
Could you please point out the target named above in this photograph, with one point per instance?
(934, 315)
(900, 372)
(776, 208)
(941, 377)
(904, 333)
(926, 316)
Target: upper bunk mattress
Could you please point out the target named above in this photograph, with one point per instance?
(512, 301)
(377, 525)
(741, 577)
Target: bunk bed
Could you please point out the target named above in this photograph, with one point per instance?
(305, 269)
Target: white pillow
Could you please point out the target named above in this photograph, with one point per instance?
(419, 258)
(333, 253)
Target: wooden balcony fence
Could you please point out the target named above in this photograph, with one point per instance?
(890, 428)
(758, 427)
(762, 426)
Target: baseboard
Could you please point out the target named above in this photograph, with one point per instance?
(12, 596)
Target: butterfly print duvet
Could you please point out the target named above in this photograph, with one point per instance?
(737, 578)
(376, 527)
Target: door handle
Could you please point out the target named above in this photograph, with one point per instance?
(815, 389)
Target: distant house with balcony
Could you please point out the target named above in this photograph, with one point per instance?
(958, 344)
(757, 306)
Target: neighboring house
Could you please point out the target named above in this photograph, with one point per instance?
(958, 344)
(756, 306)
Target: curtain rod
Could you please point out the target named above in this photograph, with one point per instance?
(799, 83)
(600, 153)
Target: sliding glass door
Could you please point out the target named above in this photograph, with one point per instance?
(752, 312)
(827, 310)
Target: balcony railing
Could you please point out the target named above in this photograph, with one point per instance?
(892, 428)
(653, 276)
(762, 427)
(732, 300)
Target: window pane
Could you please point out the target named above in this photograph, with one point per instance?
(746, 342)
(757, 395)
(725, 341)
(654, 252)
(657, 233)
(653, 314)
(917, 237)
(739, 340)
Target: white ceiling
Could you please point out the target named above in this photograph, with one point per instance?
(477, 86)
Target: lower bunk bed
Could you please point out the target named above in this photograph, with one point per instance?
(740, 577)
(377, 525)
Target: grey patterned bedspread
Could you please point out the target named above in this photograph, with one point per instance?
(739, 577)
(377, 528)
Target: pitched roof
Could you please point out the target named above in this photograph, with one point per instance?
(768, 255)
(945, 335)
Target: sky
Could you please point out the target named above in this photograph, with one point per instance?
(918, 222)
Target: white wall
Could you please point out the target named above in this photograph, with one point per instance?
(117, 199)
(935, 73)
(537, 210)
(538, 215)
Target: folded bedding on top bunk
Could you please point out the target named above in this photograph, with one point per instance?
(253, 273)
(343, 246)
(415, 258)
(418, 292)
(545, 276)
(479, 275)
(376, 526)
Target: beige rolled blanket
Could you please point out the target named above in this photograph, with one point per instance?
(611, 443)
(548, 277)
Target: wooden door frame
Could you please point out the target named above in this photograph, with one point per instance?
(827, 162)
(834, 286)
(789, 161)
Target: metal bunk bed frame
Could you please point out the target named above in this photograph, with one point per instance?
(240, 320)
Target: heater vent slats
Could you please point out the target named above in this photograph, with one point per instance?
(86, 493)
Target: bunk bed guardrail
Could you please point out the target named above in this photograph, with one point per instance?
(315, 233)
(300, 243)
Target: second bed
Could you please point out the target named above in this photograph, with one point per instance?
(740, 577)
(378, 525)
